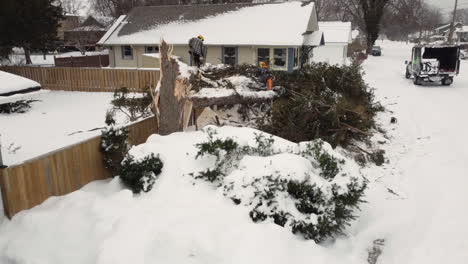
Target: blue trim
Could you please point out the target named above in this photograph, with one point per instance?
(291, 59)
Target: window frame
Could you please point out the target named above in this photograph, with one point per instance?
(235, 56)
(155, 49)
(266, 58)
(284, 57)
(124, 56)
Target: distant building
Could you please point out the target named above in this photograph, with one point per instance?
(88, 33)
(338, 35)
(444, 30)
(234, 34)
(69, 21)
(462, 35)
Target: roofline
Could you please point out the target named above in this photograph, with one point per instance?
(111, 30)
(186, 44)
(232, 4)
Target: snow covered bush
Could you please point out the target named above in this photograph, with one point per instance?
(140, 174)
(114, 144)
(134, 106)
(307, 187)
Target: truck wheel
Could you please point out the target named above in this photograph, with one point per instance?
(447, 81)
(407, 74)
(417, 80)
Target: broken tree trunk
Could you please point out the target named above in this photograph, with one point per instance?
(174, 104)
(234, 99)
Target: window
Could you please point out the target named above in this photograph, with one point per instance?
(280, 57)
(263, 54)
(230, 55)
(127, 53)
(151, 49)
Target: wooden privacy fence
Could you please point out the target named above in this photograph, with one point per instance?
(82, 61)
(61, 172)
(87, 79)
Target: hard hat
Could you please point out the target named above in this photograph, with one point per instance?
(263, 64)
(201, 37)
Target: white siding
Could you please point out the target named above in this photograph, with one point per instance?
(331, 53)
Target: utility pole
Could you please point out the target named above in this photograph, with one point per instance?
(452, 26)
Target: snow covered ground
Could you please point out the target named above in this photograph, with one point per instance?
(48, 125)
(416, 202)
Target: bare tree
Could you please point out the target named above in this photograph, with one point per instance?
(72, 6)
(367, 14)
(325, 9)
(115, 8)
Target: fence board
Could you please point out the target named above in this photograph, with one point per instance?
(87, 79)
(61, 172)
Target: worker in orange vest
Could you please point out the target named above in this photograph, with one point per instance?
(265, 75)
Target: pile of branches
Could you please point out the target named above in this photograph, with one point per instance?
(20, 107)
(249, 92)
(213, 76)
(332, 103)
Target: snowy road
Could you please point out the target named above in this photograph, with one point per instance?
(428, 167)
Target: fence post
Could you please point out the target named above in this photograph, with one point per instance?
(2, 166)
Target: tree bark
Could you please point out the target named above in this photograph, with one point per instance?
(174, 102)
(27, 55)
(200, 102)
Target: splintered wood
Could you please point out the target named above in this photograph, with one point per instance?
(175, 107)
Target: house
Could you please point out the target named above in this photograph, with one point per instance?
(338, 35)
(234, 34)
(89, 32)
(462, 35)
(444, 30)
(69, 21)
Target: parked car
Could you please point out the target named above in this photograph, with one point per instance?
(434, 63)
(376, 51)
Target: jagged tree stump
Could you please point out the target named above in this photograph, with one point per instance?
(174, 105)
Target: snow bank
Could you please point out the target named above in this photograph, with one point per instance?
(56, 120)
(11, 83)
(177, 222)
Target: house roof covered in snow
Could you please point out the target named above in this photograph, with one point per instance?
(336, 31)
(223, 24)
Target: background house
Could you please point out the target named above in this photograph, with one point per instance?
(68, 22)
(462, 35)
(234, 33)
(89, 32)
(338, 35)
(444, 30)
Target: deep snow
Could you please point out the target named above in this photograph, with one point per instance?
(51, 122)
(416, 202)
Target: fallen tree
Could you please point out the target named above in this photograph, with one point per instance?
(184, 92)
